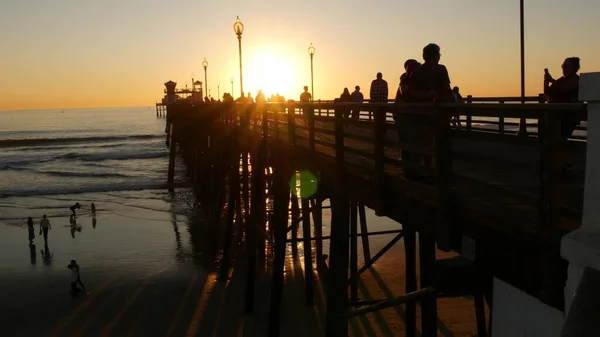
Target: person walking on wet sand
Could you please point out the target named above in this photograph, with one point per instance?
(31, 230)
(44, 227)
(75, 277)
(74, 207)
(93, 209)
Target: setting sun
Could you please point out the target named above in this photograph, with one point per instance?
(272, 73)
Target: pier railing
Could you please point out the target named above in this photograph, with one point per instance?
(484, 183)
(476, 172)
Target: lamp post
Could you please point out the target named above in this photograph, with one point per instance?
(231, 79)
(238, 28)
(218, 93)
(523, 121)
(205, 65)
(311, 52)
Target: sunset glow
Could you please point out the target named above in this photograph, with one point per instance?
(272, 72)
(100, 54)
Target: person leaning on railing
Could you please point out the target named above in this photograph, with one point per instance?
(564, 90)
(428, 82)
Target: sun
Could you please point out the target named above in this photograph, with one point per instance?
(272, 73)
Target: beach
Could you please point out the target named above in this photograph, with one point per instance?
(146, 259)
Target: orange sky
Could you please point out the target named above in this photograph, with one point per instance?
(116, 53)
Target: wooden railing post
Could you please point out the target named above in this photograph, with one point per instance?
(311, 129)
(291, 115)
(549, 133)
(443, 173)
(337, 292)
(379, 153)
(469, 100)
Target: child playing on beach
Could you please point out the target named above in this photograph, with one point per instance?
(75, 277)
(74, 207)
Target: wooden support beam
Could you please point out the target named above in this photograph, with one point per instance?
(328, 237)
(308, 264)
(294, 229)
(410, 252)
(317, 214)
(353, 251)
(172, 153)
(421, 294)
(233, 199)
(337, 291)
(364, 232)
(281, 202)
(427, 263)
(379, 254)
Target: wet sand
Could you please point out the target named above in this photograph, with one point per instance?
(146, 276)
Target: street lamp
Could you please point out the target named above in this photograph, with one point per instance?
(311, 52)
(205, 65)
(523, 121)
(231, 79)
(218, 93)
(238, 28)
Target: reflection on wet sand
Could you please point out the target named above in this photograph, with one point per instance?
(32, 254)
(94, 221)
(74, 226)
(46, 255)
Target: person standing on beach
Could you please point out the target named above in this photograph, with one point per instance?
(74, 207)
(44, 227)
(93, 209)
(75, 277)
(31, 230)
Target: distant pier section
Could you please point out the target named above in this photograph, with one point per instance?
(174, 95)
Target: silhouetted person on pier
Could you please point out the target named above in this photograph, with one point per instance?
(241, 99)
(206, 99)
(305, 96)
(410, 66)
(455, 120)
(307, 111)
(74, 207)
(75, 278)
(227, 98)
(345, 97)
(564, 90)
(378, 92)
(249, 98)
(356, 97)
(260, 97)
(45, 227)
(427, 83)
(31, 230)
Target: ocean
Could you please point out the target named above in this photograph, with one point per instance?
(113, 157)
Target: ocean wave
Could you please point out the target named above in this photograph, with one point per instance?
(43, 141)
(83, 174)
(18, 162)
(134, 186)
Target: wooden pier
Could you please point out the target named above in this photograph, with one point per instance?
(498, 199)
